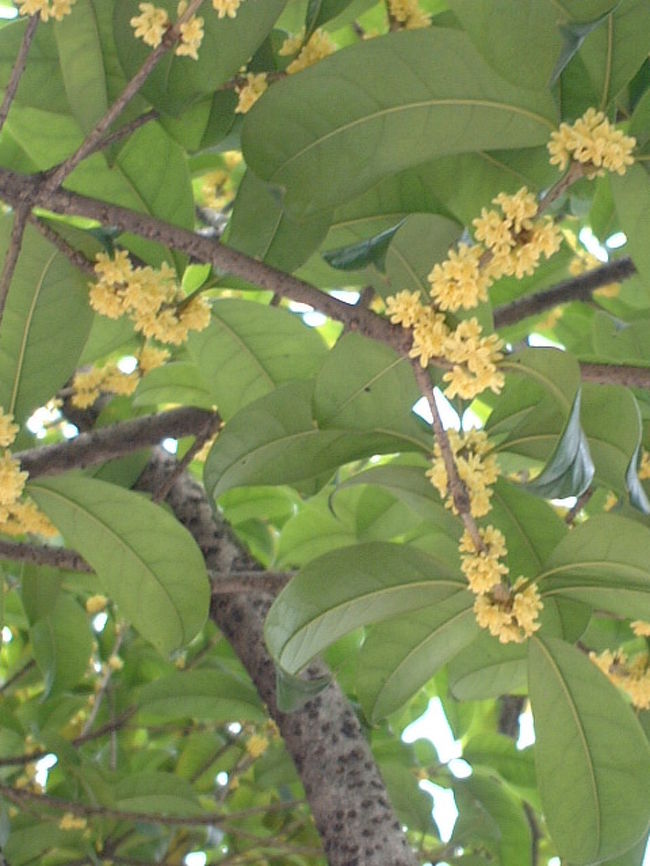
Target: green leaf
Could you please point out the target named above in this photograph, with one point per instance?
(62, 645)
(371, 251)
(365, 385)
(39, 350)
(81, 64)
(346, 588)
(260, 227)
(319, 12)
(176, 382)
(248, 349)
(443, 99)
(293, 692)
(400, 655)
(487, 669)
(422, 240)
(519, 40)
(603, 562)
(500, 753)
(199, 694)
(146, 561)
(632, 199)
(570, 469)
(39, 591)
(593, 761)
(156, 794)
(573, 34)
(276, 440)
(228, 43)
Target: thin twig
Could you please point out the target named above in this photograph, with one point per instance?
(580, 503)
(103, 685)
(574, 174)
(17, 676)
(19, 68)
(212, 424)
(21, 796)
(61, 172)
(11, 259)
(578, 288)
(41, 554)
(77, 258)
(126, 130)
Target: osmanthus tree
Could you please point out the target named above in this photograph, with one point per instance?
(217, 650)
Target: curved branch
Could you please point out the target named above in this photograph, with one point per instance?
(576, 289)
(19, 68)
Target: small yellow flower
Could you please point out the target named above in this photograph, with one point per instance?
(12, 480)
(115, 663)
(191, 34)
(226, 7)
(409, 14)
(8, 429)
(514, 618)
(319, 46)
(292, 44)
(151, 24)
(150, 358)
(251, 91)
(641, 628)
(459, 282)
(96, 604)
(405, 308)
(256, 745)
(593, 141)
(477, 468)
(47, 9)
(71, 822)
(482, 568)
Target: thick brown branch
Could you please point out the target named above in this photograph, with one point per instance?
(38, 554)
(616, 374)
(576, 289)
(78, 259)
(107, 443)
(57, 177)
(19, 68)
(16, 188)
(11, 259)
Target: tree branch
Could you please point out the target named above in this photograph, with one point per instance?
(78, 259)
(94, 137)
(17, 189)
(41, 554)
(616, 374)
(11, 259)
(107, 443)
(346, 793)
(19, 68)
(576, 289)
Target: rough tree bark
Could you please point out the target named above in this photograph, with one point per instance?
(344, 789)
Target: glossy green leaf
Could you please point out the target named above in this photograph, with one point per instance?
(365, 385)
(175, 382)
(573, 35)
(632, 199)
(41, 83)
(421, 241)
(586, 10)
(487, 669)
(593, 760)
(604, 563)
(371, 251)
(146, 561)
(613, 52)
(347, 588)
(523, 51)
(38, 349)
(515, 766)
(442, 99)
(156, 794)
(248, 349)
(39, 591)
(401, 654)
(319, 12)
(228, 43)
(82, 66)
(293, 692)
(199, 694)
(570, 469)
(62, 645)
(276, 440)
(260, 227)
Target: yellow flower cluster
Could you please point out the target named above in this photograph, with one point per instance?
(644, 468)
(409, 14)
(641, 628)
(89, 384)
(151, 298)
(96, 604)
(583, 262)
(217, 188)
(594, 142)
(47, 9)
(17, 516)
(633, 676)
(256, 745)
(473, 357)
(482, 568)
(514, 240)
(477, 469)
(511, 615)
(318, 46)
(227, 8)
(153, 22)
(251, 91)
(71, 822)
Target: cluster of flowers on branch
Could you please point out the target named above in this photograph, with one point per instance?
(87, 385)
(47, 9)
(17, 514)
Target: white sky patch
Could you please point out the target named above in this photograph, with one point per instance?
(222, 778)
(196, 858)
(445, 812)
(618, 239)
(5, 12)
(538, 341)
(297, 307)
(234, 728)
(448, 414)
(70, 431)
(589, 240)
(646, 859)
(526, 730)
(127, 364)
(43, 767)
(99, 622)
(346, 296)
(7, 636)
(170, 445)
(314, 319)
(41, 418)
(471, 421)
